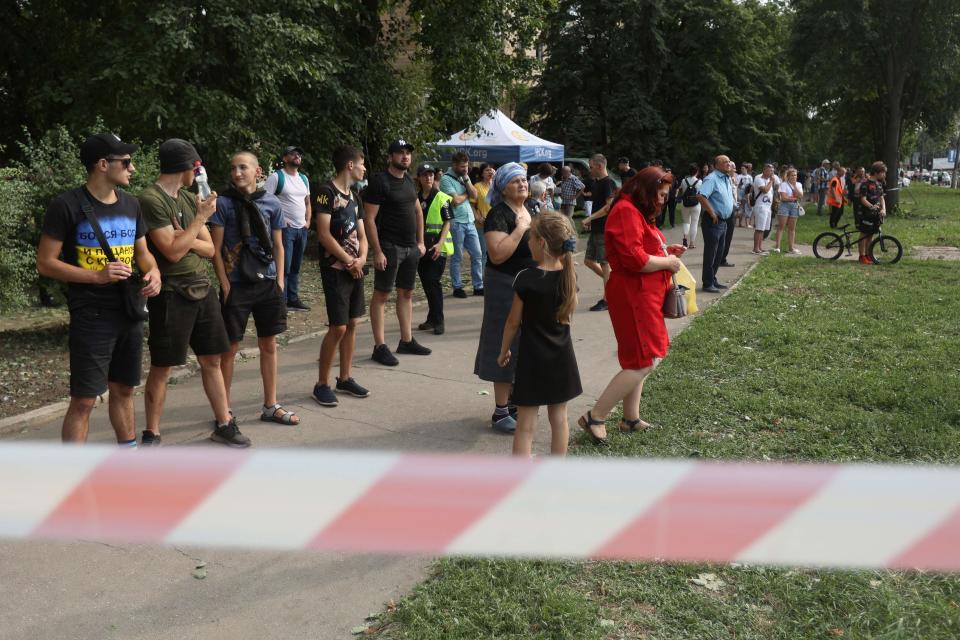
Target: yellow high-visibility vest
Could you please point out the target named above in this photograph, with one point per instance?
(434, 222)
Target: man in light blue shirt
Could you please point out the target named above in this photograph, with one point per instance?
(456, 183)
(716, 200)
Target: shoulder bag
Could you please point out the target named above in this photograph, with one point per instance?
(675, 302)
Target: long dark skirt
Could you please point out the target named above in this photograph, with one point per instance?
(497, 300)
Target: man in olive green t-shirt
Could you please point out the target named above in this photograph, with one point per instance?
(187, 312)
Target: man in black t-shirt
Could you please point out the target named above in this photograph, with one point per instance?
(343, 253)
(105, 342)
(873, 208)
(602, 191)
(624, 170)
(394, 219)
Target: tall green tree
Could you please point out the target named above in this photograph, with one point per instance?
(877, 67)
(599, 82)
(473, 52)
(681, 81)
(259, 74)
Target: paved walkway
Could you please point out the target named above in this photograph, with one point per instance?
(91, 590)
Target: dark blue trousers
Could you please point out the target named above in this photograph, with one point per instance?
(714, 240)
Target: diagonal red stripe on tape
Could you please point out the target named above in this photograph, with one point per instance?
(717, 511)
(423, 503)
(139, 496)
(939, 549)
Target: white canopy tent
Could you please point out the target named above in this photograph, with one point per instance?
(497, 139)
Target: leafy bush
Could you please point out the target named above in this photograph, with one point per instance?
(16, 254)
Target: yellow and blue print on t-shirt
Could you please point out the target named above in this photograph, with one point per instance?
(120, 232)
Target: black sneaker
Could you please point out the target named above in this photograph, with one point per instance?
(382, 354)
(438, 329)
(324, 395)
(229, 434)
(297, 305)
(413, 348)
(351, 387)
(150, 439)
(718, 285)
(459, 293)
(503, 424)
(600, 306)
(478, 292)
(425, 326)
(727, 264)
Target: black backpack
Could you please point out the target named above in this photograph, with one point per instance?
(690, 193)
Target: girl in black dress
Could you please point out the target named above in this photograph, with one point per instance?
(544, 298)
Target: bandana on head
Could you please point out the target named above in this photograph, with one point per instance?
(501, 179)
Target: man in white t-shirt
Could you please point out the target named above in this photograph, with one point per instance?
(293, 190)
(763, 186)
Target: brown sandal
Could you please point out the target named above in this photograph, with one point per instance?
(587, 423)
(627, 426)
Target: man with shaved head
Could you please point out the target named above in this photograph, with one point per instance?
(716, 200)
(247, 231)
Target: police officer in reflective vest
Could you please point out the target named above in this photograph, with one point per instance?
(438, 212)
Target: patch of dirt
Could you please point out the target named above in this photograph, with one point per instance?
(936, 253)
(35, 361)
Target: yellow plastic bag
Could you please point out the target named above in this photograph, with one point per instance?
(685, 279)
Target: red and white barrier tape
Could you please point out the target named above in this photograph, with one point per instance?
(820, 515)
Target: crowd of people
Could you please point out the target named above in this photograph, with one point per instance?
(406, 223)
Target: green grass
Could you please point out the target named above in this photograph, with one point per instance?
(829, 362)
(930, 216)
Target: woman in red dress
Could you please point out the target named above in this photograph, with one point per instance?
(641, 268)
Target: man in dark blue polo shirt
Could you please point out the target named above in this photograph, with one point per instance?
(716, 200)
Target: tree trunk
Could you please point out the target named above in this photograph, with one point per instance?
(891, 153)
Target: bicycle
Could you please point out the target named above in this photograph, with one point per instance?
(884, 249)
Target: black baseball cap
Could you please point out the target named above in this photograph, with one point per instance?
(425, 168)
(103, 145)
(292, 149)
(399, 145)
(623, 160)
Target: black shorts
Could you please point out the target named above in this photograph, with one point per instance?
(867, 223)
(264, 300)
(596, 248)
(105, 346)
(176, 323)
(401, 268)
(343, 295)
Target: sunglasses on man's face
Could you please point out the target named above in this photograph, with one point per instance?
(126, 162)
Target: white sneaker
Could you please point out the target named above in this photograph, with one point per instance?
(760, 253)
(774, 250)
(796, 252)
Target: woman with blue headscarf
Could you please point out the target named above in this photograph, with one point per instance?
(505, 231)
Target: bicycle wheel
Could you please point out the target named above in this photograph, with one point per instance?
(828, 246)
(886, 250)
